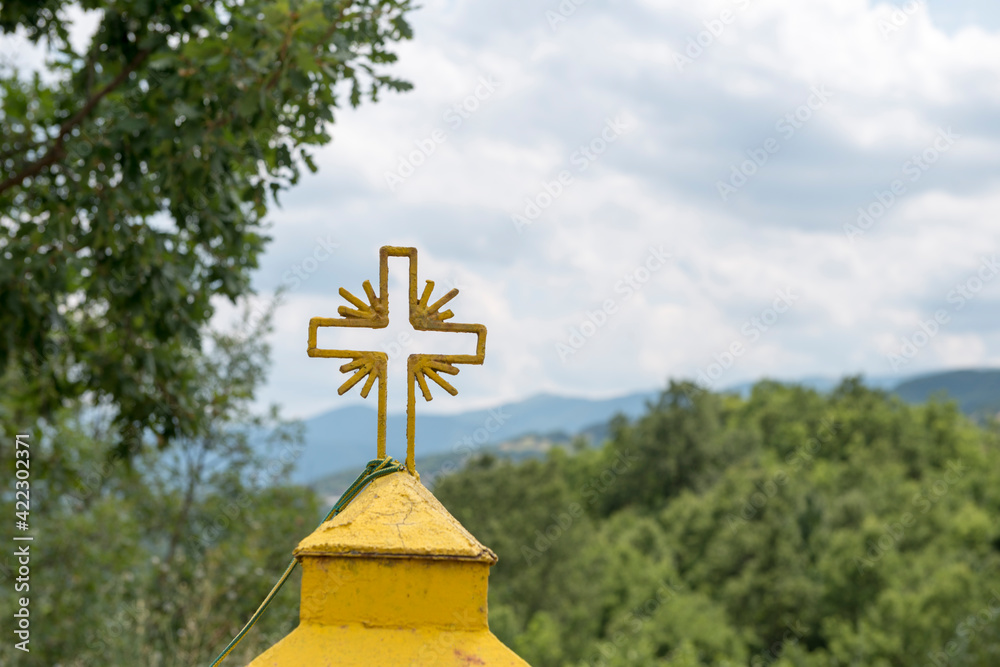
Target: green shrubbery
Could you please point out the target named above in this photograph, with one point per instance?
(791, 528)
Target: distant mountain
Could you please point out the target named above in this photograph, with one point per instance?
(819, 382)
(344, 438)
(976, 391)
(339, 442)
(432, 466)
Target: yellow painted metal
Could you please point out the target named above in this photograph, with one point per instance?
(392, 581)
(424, 316)
(395, 517)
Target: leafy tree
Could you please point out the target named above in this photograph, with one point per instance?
(135, 175)
(160, 559)
(791, 528)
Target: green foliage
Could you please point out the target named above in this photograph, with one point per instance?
(136, 173)
(788, 529)
(160, 559)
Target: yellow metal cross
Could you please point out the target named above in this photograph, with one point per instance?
(373, 365)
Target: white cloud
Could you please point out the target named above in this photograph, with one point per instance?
(657, 185)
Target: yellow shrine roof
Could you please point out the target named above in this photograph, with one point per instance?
(396, 517)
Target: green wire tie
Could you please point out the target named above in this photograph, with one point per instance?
(376, 468)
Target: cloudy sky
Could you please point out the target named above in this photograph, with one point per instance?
(626, 191)
(738, 138)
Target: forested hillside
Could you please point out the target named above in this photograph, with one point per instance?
(977, 390)
(791, 528)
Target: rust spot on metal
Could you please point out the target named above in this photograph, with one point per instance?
(468, 658)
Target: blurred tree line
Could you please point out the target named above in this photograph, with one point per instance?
(137, 167)
(791, 529)
(159, 559)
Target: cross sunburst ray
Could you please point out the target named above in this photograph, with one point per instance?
(432, 310)
(370, 364)
(361, 310)
(429, 367)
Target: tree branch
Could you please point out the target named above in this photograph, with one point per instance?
(332, 29)
(283, 53)
(58, 149)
